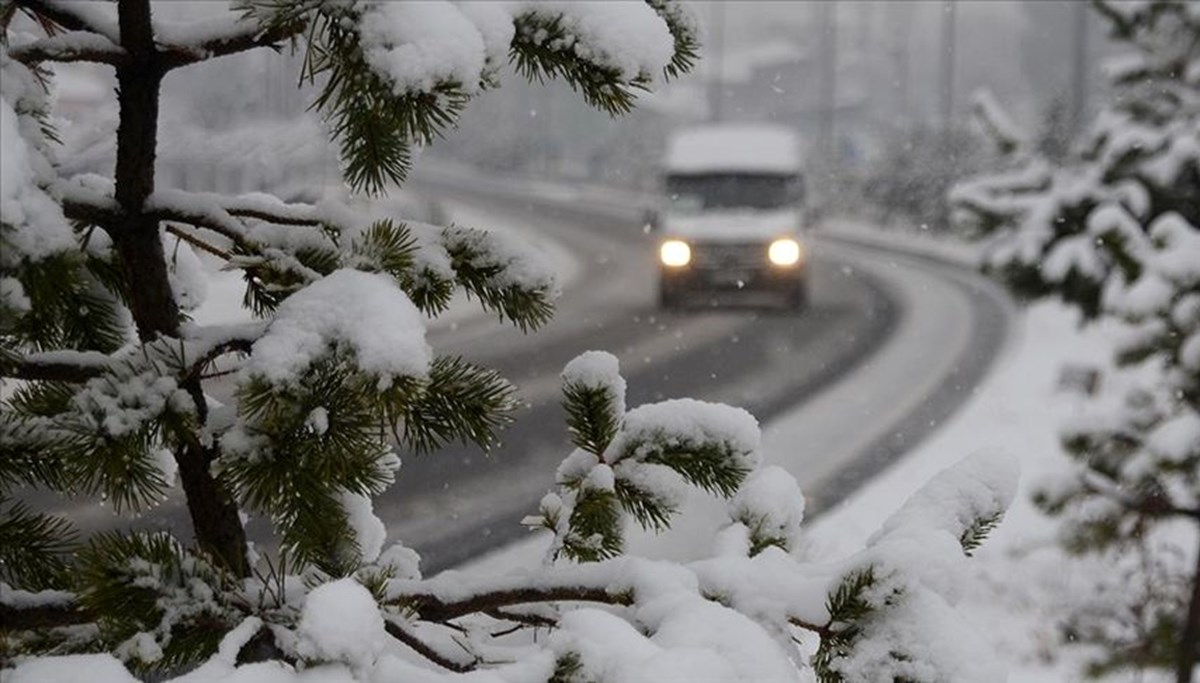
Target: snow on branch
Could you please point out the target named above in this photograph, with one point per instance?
(72, 46)
(996, 122)
(56, 366)
(36, 613)
(187, 44)
(963, 501)
(99, 18)
(421, 63)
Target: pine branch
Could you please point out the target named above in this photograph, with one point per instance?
(429, 607)
(32, 454)
(425, 650)
(484, 273)
(848, 608)
(90, 208)
(595, 527)
(711, 465)
(149, 583)
(592, 418)
(37, 617)
(684, 32)
(71, 308)
(460, 401)
(33, 547)
(246, 37)
(974, 535)
(375, 127)
(522, 618)
(65, 15)
(1157, 506)
(73, 46)
(542, 50)
(567, 668)
(197, 242)
(50, 369)
(211, 212)
(644, 504)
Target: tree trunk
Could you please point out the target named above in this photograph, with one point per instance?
(215, 521)
(1189, 644)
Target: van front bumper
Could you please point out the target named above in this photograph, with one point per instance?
(764, 278)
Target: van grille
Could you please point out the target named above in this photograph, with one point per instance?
(737, 255)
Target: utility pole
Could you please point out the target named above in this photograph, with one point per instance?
(901, 18)
(949, 48)
(716, 78)
(827, 106)
(1079, 65)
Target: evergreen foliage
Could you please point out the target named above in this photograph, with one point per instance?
(1111, 228)
(111, 382)
(848, 608)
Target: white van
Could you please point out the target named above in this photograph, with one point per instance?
(734, 213)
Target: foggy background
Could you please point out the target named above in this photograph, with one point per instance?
(880, 92)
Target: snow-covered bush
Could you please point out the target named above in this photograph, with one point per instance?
(1115, 231)
(917, 164)
(109, 383)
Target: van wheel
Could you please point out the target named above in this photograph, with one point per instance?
(668, 297)
(797, 297)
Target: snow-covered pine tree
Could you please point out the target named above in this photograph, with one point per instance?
(1115, 231)
(108, 381)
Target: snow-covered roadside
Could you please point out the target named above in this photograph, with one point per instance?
(1022, 583)
(908, 240)
(1017, 411)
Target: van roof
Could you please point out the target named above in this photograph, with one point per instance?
(747, 147)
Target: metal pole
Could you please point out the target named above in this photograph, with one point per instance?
(1079, 65)
(827, 107)
(949, 38)
(716, 78)
(901, 18)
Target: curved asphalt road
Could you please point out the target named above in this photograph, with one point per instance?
(888, 348)
(458, 503)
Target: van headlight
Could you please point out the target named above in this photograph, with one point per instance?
(785, 252)
(675, 253)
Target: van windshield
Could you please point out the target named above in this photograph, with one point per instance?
(713, 191)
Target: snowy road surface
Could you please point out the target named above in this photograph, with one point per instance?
(889, 347)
